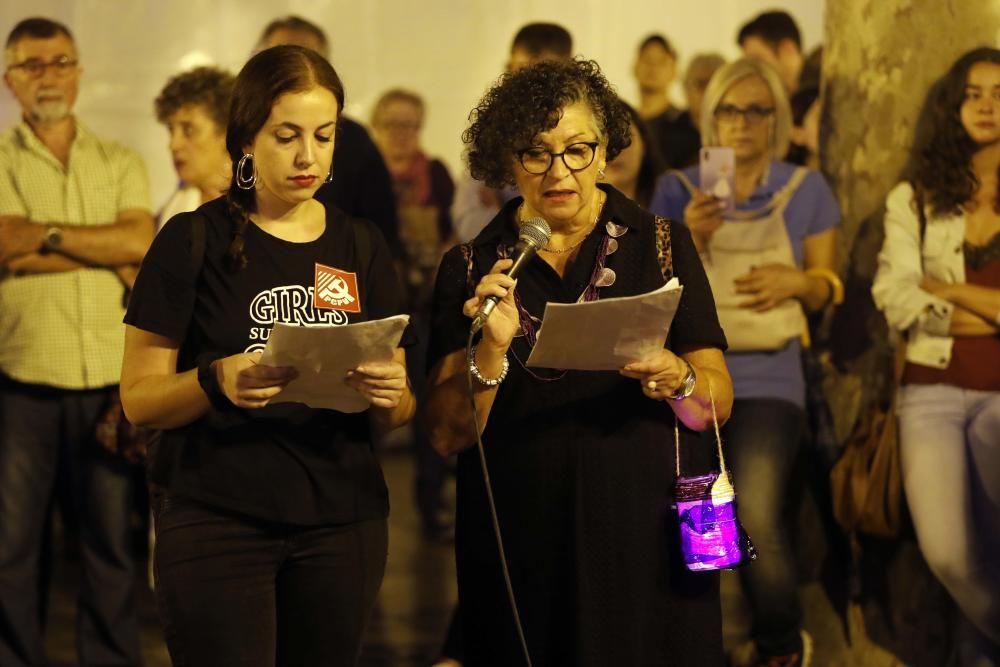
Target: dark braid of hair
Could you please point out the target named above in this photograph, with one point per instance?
(236, 256)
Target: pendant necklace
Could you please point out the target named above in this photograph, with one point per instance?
(601, 276)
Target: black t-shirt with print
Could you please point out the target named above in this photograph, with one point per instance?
(285, 462)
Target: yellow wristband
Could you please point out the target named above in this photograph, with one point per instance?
(832, 279)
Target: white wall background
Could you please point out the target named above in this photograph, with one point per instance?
(448, 51)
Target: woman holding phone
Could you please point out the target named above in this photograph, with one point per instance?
(768, 257)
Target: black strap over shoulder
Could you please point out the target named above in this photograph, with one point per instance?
(918, 197)
(197, 247)
(362, 240)
(468, 257)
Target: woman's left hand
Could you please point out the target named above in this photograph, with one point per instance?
(770, 285)
(660, 374)
(381, 382)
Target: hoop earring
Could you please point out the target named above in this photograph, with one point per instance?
(242, 181)
(329, 177)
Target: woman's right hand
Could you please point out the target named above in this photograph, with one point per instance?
(503, 323)
(249, 384)
(703, 216)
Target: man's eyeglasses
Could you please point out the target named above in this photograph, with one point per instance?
(730, 113)
(35, 68)
(537, 160)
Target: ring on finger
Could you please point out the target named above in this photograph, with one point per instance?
(651, 385)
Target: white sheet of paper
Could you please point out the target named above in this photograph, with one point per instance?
(323, 355)
(605, 335)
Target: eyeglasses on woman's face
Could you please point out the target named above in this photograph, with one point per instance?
(537, 160)
(753, 114)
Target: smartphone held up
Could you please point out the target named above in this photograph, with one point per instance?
(717, 173)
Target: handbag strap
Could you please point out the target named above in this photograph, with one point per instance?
(467, 256)
(918, 196)
(718, 434)
(664, 249)
(665, 258)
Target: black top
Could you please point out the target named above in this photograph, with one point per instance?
(361, 185)
(676, 138)
(285, 462)
(582, 469)
(442, 196)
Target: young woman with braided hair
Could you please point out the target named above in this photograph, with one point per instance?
(271, 519)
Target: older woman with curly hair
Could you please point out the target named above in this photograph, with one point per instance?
(194, 106)
(581, 462)
(938, 281)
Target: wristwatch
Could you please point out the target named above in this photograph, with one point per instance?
(687, 384)
(52, 239)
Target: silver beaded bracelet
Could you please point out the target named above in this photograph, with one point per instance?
(488, 382)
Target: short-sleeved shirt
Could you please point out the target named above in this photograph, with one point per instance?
(285, 462)
(64, 329)
(812, 210)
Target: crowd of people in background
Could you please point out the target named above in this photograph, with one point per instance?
(254, 152)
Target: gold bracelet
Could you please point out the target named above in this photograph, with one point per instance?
(832, 279)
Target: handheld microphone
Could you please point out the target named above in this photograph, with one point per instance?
(534, 234)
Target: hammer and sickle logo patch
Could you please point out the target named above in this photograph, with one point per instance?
(336, 290)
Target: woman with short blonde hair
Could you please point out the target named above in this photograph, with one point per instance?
(724, 79)
(768, 252)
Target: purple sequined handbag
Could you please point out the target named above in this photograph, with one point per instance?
(710, 531)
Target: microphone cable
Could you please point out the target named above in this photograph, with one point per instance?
(493, 508)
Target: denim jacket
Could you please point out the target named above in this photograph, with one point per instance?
(924, 317)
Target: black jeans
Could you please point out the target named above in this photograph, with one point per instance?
(762, 439)
(38, 425)
(239, 592)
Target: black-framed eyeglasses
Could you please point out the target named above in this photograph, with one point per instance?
(754, 114)
(537, 160)
(35, 68)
